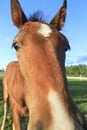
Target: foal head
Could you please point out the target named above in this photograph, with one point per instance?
(41, 50)
(35, 32)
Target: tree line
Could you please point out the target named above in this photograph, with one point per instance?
(76, 70)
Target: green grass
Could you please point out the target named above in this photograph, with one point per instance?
(78, 90)
(1, 75)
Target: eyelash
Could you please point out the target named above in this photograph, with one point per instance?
(16, 46)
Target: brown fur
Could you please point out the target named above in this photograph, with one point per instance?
(13, 88)
(42, 63)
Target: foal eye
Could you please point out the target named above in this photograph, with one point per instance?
(16, 46)
(67, 47)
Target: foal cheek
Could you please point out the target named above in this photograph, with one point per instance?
(23, 60)
(18, 55)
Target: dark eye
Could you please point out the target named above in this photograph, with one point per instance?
(67, 47)
(16, 46)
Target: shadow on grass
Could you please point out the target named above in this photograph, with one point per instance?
(81, 101)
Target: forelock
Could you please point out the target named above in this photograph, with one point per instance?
(37, 17)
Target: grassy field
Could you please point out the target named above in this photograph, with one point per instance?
(78, 90)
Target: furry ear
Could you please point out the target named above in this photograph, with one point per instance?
(17, 14)
(59, 19)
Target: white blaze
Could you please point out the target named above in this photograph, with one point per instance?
(45, 30)
(61, 119)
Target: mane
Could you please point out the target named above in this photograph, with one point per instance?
(37, 17)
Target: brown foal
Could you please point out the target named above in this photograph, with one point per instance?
(13, 88)
(40, 48)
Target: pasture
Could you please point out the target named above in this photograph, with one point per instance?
(78, 90)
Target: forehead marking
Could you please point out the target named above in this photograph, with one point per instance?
(45, 30)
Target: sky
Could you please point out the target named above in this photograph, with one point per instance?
(75, 28)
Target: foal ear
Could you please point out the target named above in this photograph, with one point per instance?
(17, 14)
(59, 18)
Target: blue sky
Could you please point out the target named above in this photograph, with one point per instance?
(75, 27)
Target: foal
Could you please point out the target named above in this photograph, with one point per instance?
(40, 49)
(13, 88)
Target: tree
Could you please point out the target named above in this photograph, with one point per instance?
(76, 70)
